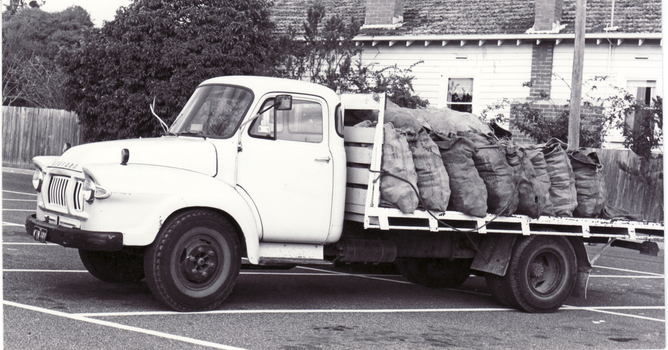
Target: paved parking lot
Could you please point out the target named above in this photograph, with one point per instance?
(51, 301)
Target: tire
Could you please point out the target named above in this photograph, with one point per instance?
(500, 290)
(439, 273)
(113, 267)
(541, 274)
(194, 262)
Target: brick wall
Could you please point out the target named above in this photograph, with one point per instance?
(541, 71)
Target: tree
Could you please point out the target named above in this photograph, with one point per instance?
(162, 50)
(16, 5)
(32, 42)
(328, 55)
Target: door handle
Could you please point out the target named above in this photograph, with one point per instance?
(323, 159)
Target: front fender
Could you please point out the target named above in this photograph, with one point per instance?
(151, 194)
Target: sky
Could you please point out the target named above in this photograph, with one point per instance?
(99, 10)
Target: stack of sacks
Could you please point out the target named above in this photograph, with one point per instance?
(460, 165)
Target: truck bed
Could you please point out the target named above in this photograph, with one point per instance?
(364, 153)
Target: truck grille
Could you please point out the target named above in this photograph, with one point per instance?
(57, 192)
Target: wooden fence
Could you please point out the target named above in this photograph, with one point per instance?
(29, 132)
(628, 192)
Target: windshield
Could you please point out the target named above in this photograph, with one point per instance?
(213, 111)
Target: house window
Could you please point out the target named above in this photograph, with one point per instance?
(643, 91)
(460, 94)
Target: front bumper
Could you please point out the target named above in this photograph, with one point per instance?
(72, 237)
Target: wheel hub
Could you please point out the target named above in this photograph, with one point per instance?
(537, 270)
(200, 263)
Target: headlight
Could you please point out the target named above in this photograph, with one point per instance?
(91, 189)
(37, 179)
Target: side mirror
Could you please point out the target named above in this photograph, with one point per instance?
(283, 102)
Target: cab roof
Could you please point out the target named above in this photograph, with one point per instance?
(262, 85)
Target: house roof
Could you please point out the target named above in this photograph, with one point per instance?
(480, 17)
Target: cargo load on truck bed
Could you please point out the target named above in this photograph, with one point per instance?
(494, 185)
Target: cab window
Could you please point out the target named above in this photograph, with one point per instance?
(303, 123)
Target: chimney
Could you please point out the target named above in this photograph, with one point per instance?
(547, 17)
(384, 13)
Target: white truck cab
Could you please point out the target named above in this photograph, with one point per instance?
(274, 174)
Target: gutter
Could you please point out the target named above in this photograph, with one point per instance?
(445, 39)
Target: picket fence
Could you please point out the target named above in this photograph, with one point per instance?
(29, 132)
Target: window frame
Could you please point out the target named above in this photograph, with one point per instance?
(296, 100)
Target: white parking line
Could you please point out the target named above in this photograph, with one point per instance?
(626, 270)
(293, 311)
(25, 210)
(602, 310)
(45, 271)
(626, 276)
(79, 317)
(19, 200)
(12, 224)
(354, 275)
(23, 193)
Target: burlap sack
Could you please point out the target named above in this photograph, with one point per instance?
(562, 180)
(527, 184)
(397, 188)
(468, 193)
(542, 188)
(432, 179)
(490, 161)
(589, 183)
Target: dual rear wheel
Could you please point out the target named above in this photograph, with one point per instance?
(540, 276)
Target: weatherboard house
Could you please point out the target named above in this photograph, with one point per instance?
(491, 50)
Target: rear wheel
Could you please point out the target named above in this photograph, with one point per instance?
(437, 272)
(194, 262)
(540, 277)
(113, 267)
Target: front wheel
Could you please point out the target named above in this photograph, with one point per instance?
(540, 277)
(194, 262)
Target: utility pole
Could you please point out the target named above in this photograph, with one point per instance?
(576, 81)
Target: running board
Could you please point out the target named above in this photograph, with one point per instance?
(287, 254)
(292, 262)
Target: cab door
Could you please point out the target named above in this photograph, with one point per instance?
(286, 167)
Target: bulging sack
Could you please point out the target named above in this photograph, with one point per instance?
(468, 192)
(432, 178)
(490, 161)
(542, 188)
(403, 118)
(562, 180)
(589, 183)
(530, 203)
(399, 178)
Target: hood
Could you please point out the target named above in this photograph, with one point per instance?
(194, 154)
